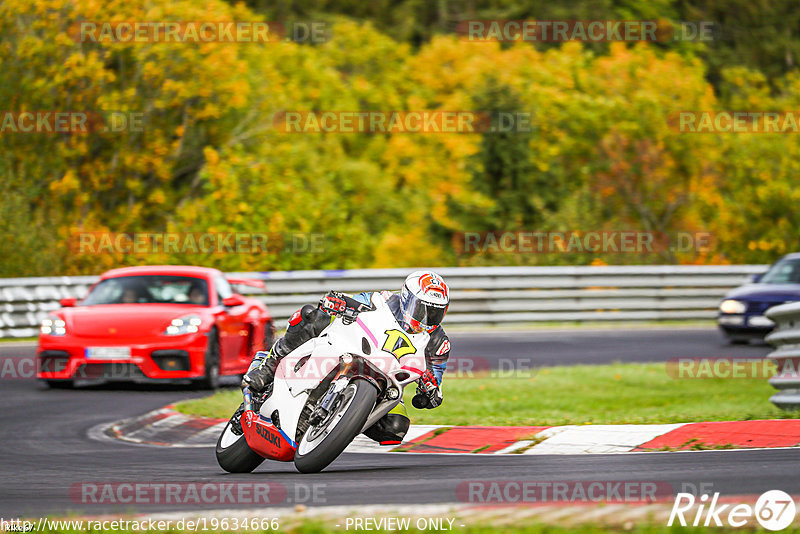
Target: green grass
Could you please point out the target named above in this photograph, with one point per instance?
(695, 444)
(222, 404)
(580, 394)
(19, 339)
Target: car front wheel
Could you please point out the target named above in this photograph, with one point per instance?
(210, 379)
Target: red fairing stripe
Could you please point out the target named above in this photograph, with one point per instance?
(412, 369)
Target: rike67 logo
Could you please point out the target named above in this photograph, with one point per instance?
(774, 510)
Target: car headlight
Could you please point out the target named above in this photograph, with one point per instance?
(732, 306)
(184, 325)
(53, 326)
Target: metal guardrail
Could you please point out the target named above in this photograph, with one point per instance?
(479, 295)
(786, 339)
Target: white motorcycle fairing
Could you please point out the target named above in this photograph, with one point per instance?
(381, 351)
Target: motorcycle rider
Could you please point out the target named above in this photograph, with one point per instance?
(420, 306)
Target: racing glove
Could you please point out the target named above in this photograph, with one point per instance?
(338, 304)
(333, 303)
(429, 395)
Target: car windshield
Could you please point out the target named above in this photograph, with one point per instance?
(786, 271)
(149, 289)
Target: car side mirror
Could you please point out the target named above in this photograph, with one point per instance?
(68, 302)
(234, 300)
(755, 278)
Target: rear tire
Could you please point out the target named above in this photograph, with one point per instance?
(60, 384)
(234, 455)
(347, 422)
(211, 363)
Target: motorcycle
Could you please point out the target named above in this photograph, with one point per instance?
(325, 393)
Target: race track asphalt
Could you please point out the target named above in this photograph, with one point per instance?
(45, 450)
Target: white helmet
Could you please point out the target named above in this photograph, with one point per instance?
(424, 301)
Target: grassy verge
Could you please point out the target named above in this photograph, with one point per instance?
(19, 339)
(580, 394)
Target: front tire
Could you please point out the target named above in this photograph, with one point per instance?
(321, 445)
(60, 384)
(234, 455)
(211, 363)
(738, 340)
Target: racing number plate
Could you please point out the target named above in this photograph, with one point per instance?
(108, 353)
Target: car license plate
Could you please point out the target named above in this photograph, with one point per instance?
(108, 353)
(759, 320)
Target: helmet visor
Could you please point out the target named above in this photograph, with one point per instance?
(420, 314)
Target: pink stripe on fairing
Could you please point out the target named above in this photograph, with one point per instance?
(367, 330)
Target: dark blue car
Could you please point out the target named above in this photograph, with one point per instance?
(741, 313)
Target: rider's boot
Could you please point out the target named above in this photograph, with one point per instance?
(391, 428)
(261, 372)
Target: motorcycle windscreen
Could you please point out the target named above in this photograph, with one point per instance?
(265, 439)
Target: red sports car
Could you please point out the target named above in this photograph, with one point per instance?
(159, 322)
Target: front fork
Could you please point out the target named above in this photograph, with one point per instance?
(248, 399)
(340, 381)
(249, 404)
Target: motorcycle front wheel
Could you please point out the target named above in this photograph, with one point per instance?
(322, 444)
